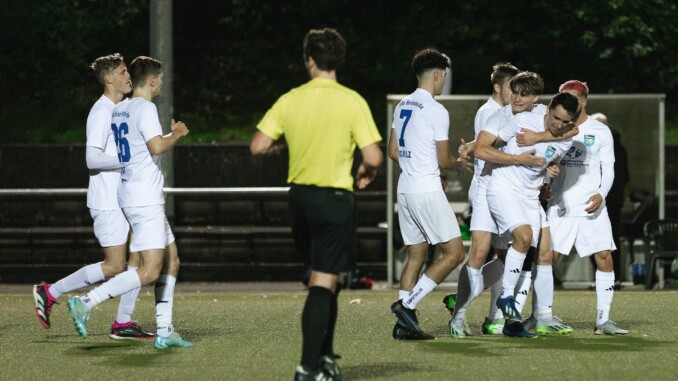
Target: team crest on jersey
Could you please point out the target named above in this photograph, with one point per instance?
(589, 140)
(550, 151)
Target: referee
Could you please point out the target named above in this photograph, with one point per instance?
(322, 122)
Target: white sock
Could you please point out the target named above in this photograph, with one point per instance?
(118, 285)
(402, 294)
(420, 290)
(543, 288)
(604, 295)
(523, 289)
(512, 268)
(86, 276)
(476, 280)
(495, 292)
(164, 301)
(127, 302)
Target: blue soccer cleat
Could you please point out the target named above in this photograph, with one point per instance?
(516, 329)
(172, 341)
(507, 306)
(80, 314)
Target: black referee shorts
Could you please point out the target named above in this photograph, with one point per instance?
(324, 226)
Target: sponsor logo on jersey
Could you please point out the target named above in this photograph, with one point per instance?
(550, 151)
(589, 140)
(574, 153)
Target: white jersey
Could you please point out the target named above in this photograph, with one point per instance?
(524, 178)
(102, 192)
(482, 116)
(419, 122)
(580, 168)
(135, 122)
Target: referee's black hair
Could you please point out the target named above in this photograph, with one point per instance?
(327, 48)
(428, 59)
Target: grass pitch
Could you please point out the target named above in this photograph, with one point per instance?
(255, 335)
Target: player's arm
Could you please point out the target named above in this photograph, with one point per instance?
(607, 178)
(486, 150)
(160, 144)
(528, 137)
(465, 149)
(447, 161)
(96, 158)
(367, 170)
(393, 146)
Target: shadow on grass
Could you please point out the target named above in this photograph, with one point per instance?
(379, 370)
(483, 347)
(129, 353)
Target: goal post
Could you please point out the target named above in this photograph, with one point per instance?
(640, 119)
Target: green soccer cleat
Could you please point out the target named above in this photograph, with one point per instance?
(553, 327)
(80, 314)
(459, 329)
(609, 328)
(450, 302)
(173, 341)
(493, 327)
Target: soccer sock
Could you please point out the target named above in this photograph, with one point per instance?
(476, 281)
(328, 344)
(512, 267)
(127, 302)
(495, 292)
(164, 301)
(420, 290)
(86, 276)
(604, 295)
(314, 320)
(402, 294)
(523, 289)
(543, 291)
(118, 285)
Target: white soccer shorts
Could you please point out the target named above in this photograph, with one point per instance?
(110, 227)
(150, 227)
(588, 234)
(426, 217)
(511, 209)
(481, 218)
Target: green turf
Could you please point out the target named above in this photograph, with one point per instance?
(256, 336)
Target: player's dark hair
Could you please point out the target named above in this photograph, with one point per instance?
(527, 83)
(428, 59)
(501, 72)
(142, 67)
(105, 65)
(568, 101)
(327, 48)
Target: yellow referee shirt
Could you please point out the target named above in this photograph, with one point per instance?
(323, 122)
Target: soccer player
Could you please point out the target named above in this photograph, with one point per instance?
(577, 212)
(110, 226)
(322, 122)
(513, 191)
(524, 90)
(419, 143)
(138, 135)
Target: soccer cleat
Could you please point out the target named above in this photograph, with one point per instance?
(493, 327)
(450, 302)
(516, 329)
(459, 328)
(79, 314)
(401, 333)
(43, 303)
(531, 322)
(172, 341)
(408, 319)
(609, 328)
(303, 373)
(328, 365)
(128, 331)
(552, 327)
(507, 306)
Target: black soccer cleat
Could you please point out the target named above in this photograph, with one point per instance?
(408, 320)
(129, 331)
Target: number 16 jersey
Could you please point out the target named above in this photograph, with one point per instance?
(135, 121)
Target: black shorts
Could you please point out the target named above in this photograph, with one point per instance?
(324, 227)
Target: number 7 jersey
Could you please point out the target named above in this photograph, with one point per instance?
(418, 122)
(135, 121)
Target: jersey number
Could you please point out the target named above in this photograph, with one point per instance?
(120, 134)
(407, 114)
